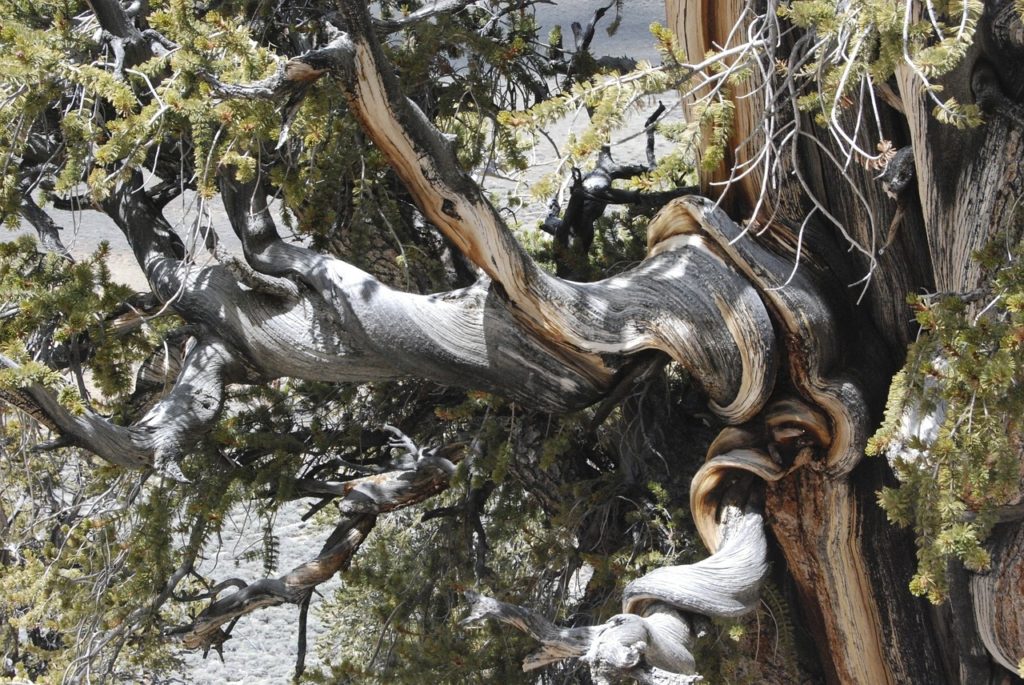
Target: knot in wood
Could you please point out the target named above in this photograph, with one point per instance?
(899, 172)
(793, 426)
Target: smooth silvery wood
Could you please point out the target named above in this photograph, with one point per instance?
(725, 585)
(560, 311)
(343, 325)
(709, 482)
(521, 332)
(812, 327)
(652, 640)
(166, 430)
(648, 649)
(655, 305)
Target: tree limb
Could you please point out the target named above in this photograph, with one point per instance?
(427, 165)
(167, 430)
(46, 228)
(652, 640)
(427, 11)
(364, 500)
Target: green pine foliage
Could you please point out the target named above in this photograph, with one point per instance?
(84, 572)
(87, 550)
(966, 371)
(73, 307)
(870, 38)
(87, 547)
(608, 98)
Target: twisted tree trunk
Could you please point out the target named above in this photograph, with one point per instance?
(850, 568)
(792, 360)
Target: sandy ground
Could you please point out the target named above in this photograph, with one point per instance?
(264, 645)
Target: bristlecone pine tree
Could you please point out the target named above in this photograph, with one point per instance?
(802, 344)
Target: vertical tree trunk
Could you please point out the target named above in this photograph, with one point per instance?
(850, 567)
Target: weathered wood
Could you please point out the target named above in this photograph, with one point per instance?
(777, 157)
(364, 499)
(163, 435)
(726, 584)
(652, 640)
(347, 326)
(816, 532)
(968, 185)
(703, 26)
(558, 310)
(996, 595)
(812, 329)
(934, 225)
(953, 164)
(706, 486)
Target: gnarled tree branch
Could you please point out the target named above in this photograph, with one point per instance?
(166, 431)
(365, 498)
(653, 639)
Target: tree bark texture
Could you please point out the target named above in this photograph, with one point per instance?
(758, 313)
(849, 566)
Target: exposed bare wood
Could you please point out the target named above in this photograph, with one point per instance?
(812, 331)
(703, 26)
(171, 427)
(998, 611)
(707, 486)
(815, 524)
(652, 640)
(453, 203)
(363, 501)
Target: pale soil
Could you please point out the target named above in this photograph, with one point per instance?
(264, 645)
